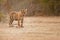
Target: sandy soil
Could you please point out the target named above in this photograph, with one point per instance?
(35, 28)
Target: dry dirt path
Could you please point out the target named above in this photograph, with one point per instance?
(35, 28)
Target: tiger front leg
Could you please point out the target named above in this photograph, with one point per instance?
(22, 22)
(19, 23)
(10, 23)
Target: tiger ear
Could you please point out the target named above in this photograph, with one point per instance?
(26, 10)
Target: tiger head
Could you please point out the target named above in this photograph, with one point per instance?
(24, 11)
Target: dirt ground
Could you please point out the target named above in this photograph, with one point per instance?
(35, 28)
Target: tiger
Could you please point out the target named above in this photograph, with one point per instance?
(17, 16)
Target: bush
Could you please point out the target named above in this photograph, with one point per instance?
(1, 16)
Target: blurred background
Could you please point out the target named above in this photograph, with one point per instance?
(35, 7)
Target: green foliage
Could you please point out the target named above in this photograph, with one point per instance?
(36, 1)
(1, 16)
(40, 1)
(45, 1)
(1, 1)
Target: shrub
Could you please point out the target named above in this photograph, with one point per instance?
(1, 16)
